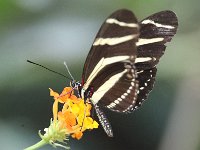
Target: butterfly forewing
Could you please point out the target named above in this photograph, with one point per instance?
(115, 42)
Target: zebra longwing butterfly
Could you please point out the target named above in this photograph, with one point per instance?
(120, 69)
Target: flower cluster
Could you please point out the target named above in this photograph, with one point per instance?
(72, 120)
(75, 114)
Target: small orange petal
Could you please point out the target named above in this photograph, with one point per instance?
(67, 94)
(67, 89)
(73, 97)
(67, 118)
(70, 119)
(77, 135)
(63, 99)
(55, 110)
(54, 94)
(65, 107)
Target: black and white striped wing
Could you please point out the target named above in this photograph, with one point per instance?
(109, 67)
(155, 31)
(116, 87)
(114, 42)
(146, 80)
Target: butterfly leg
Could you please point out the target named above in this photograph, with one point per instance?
(104, 121)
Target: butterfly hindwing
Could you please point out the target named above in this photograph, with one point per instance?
(146, 79)
(116, 87)
(155, 31)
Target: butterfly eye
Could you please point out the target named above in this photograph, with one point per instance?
(77, 85)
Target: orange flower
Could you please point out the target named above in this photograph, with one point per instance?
(74, 117)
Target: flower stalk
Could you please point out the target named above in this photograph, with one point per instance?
(37, 145)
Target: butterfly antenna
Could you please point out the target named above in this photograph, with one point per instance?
(48, 69)
(68, 70)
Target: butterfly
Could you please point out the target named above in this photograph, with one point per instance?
(120, 69)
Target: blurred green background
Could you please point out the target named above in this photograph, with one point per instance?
(53, 31)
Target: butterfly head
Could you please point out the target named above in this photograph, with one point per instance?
(76, 85)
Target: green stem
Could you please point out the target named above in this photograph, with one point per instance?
(37, 145)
